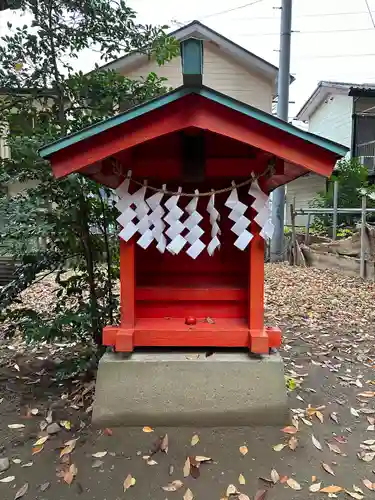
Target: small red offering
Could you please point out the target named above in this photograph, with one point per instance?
(190, 320)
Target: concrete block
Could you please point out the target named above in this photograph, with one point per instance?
(188, 388)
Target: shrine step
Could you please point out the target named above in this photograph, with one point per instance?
(188, 388)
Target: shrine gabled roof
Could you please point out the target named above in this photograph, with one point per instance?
(177, 94)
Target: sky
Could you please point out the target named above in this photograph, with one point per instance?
(332, 39)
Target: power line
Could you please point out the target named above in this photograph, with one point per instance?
(370, 13)
(322, 14)
(328, 56)
(296, 32)
(249, 4)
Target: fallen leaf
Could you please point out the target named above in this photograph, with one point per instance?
(315, 487)
(68, 449)
(96, 464)
(355, 495)
(278, 447)
(313, 479)
(290, 429)
(173, 486)
(22, 491)
(358, 490)
(200, 458)
(354, 412)
(7, 479)
(70, 474)
(293, 443)
(28, 464)
(66, 424)
(334, 448)
(41, 441)
(16, 460)
(340, 439)
(241, 479)
(242, 496)
(328, 469)
(366, 456)
(16, 426)
(151, 462)
(194, 440)
(49, 418)
(244, 450)
(283, 479)
(147, 429)
(319, 416)
(34, 411)
(188, 495)
(165, 443)
(44, 486)
(367, 394)
(306, 422)
(316, 443)
(37, 449)
(370, 442)
(260, 495)
(369, 484)
(186, 469)
(292, 483)
(108, 432)
(99, 454)
(334, 417)
(129, 482)
(275, 476)
(331, 489)
(231, 490)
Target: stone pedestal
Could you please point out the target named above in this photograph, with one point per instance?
(190, 389)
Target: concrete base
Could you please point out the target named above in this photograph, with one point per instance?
(174, 389)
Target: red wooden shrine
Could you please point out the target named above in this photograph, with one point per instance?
(196, 138)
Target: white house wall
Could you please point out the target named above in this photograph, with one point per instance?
(331, 120)
(220, 72)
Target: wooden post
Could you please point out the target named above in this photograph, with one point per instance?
(335, 205)
(294, 237)
(258, 336)
(363, 238)
(124, 337)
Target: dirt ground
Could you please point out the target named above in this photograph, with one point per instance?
(328, 325)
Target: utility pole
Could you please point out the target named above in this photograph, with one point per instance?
(278, 196)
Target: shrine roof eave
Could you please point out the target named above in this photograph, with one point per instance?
(206, 92)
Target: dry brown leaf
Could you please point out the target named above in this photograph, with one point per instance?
(334, 448)
(146, 428)
(241, 479)
(36, 449)
(186, 469)
(16, 426)
(151, 462)
(316, 443)
(369, 442)
(188, 495)
(328, 469)
(366, 456)
(99, 454)
(306, 422)
(275, 476)
(278, 447)
(22, 491)
(355, 495)
(231, 490)
(129, 482)
(293, 443)
(200, 458)
(7, 479)
(164, 444)
(313, 478)
(242, 496)
(331, 489)
(108, 432)
(44, 487)
(68, 449)
(41, 441)
(292, 483)
(356, 489)
(315, 487)
(260, 495)
(319, 416)
(194, 440)
(244, 450)
(70, 474)
(367, 394)
(173, 486)
(369, 485)
(290, 429)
